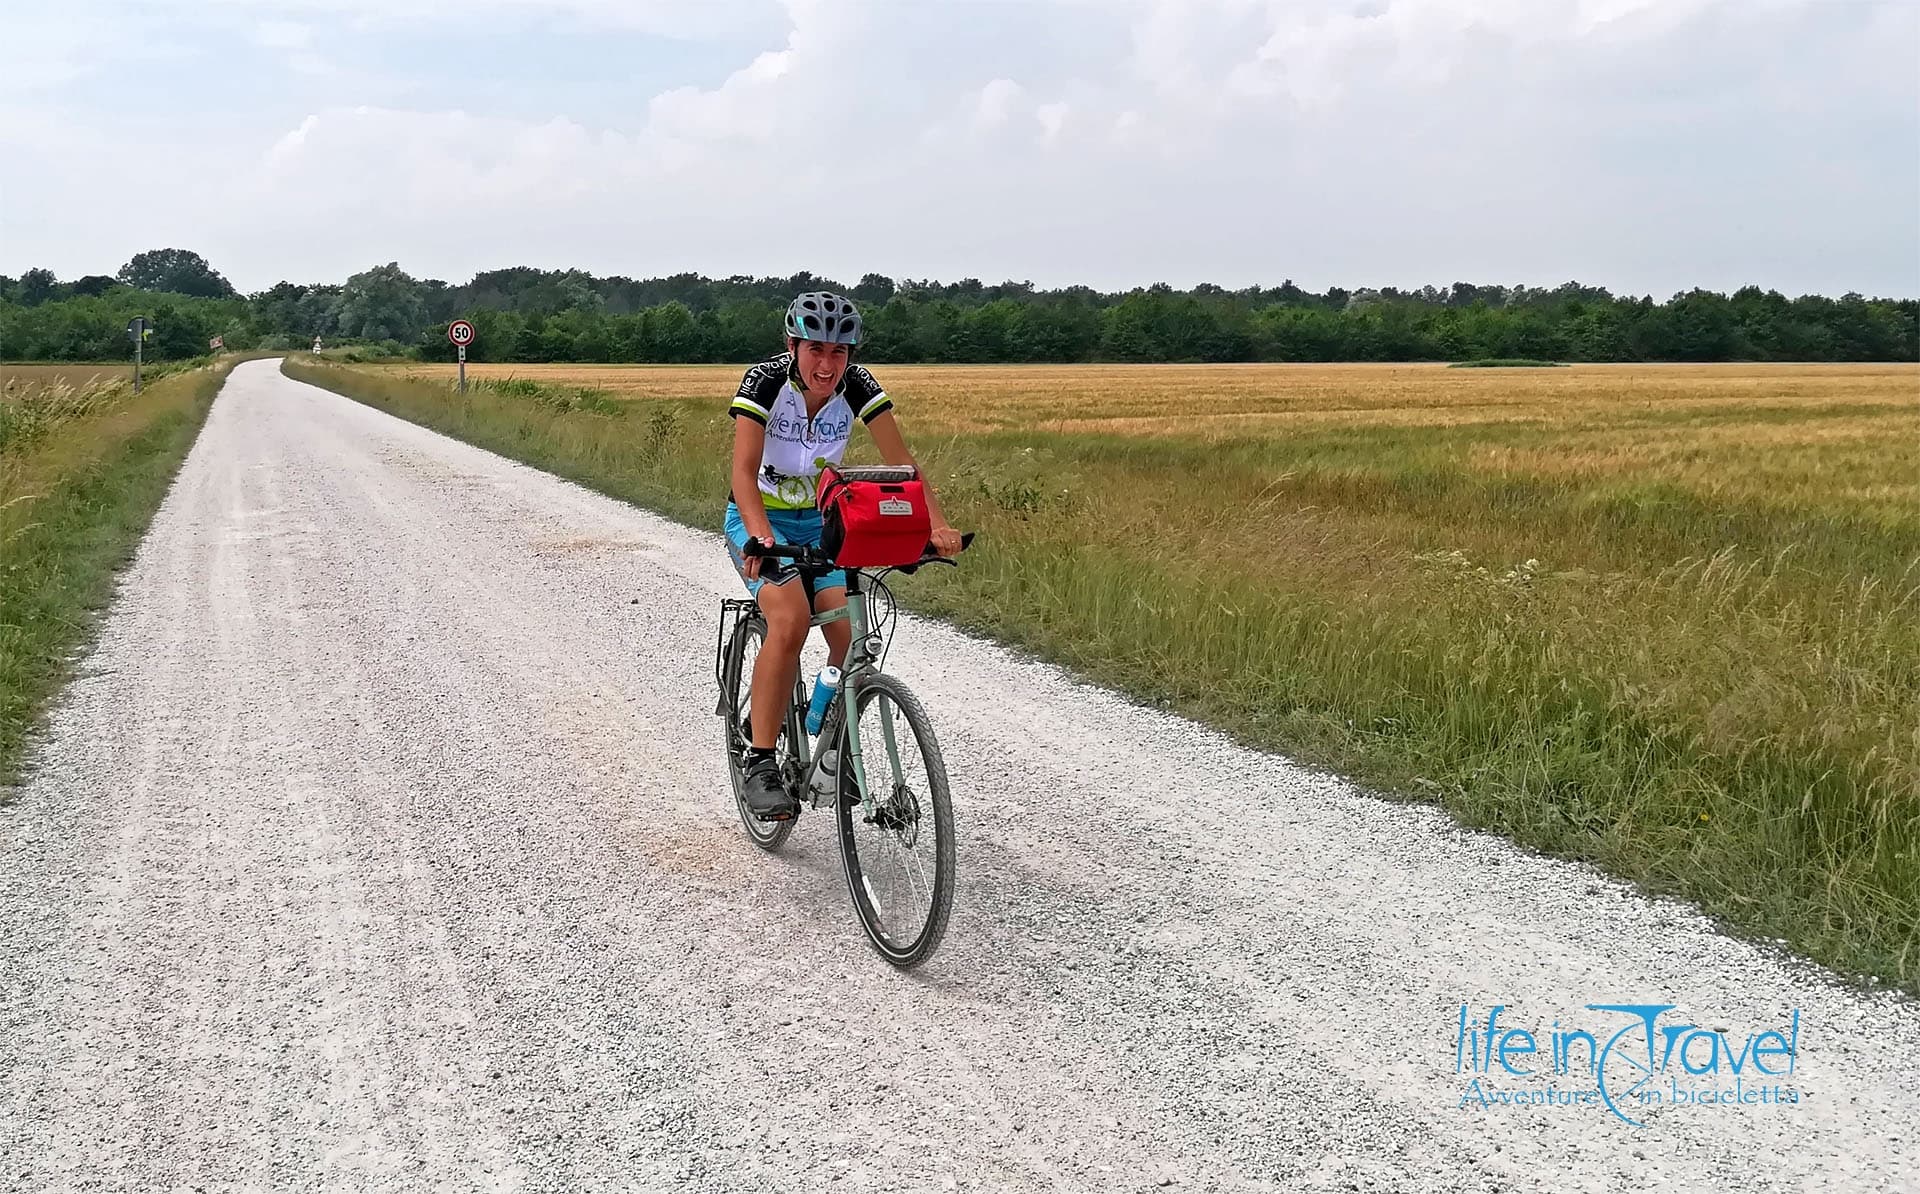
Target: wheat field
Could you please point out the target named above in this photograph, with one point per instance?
(1666, 618)
(15, 379)
(1820, 430)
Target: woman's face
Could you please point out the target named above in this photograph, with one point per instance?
(820, 365)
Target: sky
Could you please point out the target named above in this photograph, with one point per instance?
(1649, 146)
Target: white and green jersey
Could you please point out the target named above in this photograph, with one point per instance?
(797, 447)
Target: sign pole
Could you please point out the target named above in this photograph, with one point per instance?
(461, 333)
(137, 328)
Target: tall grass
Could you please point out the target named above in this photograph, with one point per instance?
(28, 414)
(82, 470)
(645, 454)
(1679, 638)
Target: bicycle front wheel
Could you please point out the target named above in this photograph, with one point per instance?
(897, 846)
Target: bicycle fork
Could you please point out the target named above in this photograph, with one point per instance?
(845, 710)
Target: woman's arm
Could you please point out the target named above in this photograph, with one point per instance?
(893, 449)
(749, 444)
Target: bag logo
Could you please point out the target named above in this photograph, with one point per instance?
(895, 506)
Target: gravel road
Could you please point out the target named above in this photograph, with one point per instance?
(384, 843)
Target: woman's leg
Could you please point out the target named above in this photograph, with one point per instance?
(839, 635)
(785, 610)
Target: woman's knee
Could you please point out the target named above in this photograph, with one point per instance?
(837, 634)
(785, 609)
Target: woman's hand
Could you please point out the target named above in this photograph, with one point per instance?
(946, 540)
(750, 565)
(885, 430)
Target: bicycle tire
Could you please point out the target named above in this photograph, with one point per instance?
(861, 836)
(737, 682)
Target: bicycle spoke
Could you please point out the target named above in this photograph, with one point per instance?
(899, 851)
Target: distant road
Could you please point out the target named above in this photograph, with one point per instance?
(384, 843)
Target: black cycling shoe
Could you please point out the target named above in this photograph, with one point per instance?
(766, 793)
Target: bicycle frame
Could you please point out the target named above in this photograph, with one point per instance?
(859, 664)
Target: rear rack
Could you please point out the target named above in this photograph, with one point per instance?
(733, 612)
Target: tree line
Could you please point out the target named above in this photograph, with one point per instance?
(532, 315)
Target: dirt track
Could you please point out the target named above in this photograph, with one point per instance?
(384, 841)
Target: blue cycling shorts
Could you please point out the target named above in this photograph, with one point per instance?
(798, 527)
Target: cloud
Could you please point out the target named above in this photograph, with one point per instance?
(997, 101)
(283, 35)
(1647, 146)
(680, 18)
(744, 109)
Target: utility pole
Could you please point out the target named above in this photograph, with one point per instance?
(138, 329)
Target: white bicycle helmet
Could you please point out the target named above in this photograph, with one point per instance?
(823, 315)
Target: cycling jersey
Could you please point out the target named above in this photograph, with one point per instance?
(797, 447)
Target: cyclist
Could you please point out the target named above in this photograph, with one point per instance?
(794, 415)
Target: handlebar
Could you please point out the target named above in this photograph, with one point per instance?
(812, 559)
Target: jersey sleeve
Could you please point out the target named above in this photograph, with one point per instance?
(758, 389)
(865, 396)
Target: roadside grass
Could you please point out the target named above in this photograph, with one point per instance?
(1663, 619)
(82, 470)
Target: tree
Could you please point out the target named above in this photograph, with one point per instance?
(36, 287)
(277, 311)
(890, 330)
(1131, 331)
(1701, 327)
(91, 286)
(538, 315)
(316, 311)
(874, 290)
(179, 331)
(175, 271)
(675, 334)
(383, 303)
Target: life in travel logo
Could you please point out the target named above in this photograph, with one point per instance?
(1625, 1058)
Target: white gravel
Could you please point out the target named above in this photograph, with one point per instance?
(384, 842)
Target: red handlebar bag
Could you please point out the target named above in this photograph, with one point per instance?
(873, 518)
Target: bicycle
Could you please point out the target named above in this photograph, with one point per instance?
(878, 822)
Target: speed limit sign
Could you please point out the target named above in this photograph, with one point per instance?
(461, 333)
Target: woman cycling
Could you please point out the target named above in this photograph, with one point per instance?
(794, 415)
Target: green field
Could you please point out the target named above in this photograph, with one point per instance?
(1665, 618)
(84, 463)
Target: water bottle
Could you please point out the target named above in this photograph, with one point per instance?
(826, 780)
(824, 686)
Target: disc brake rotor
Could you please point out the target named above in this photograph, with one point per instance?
(900, 815)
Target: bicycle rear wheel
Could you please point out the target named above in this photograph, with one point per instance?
(736, 686)
(898, 850)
